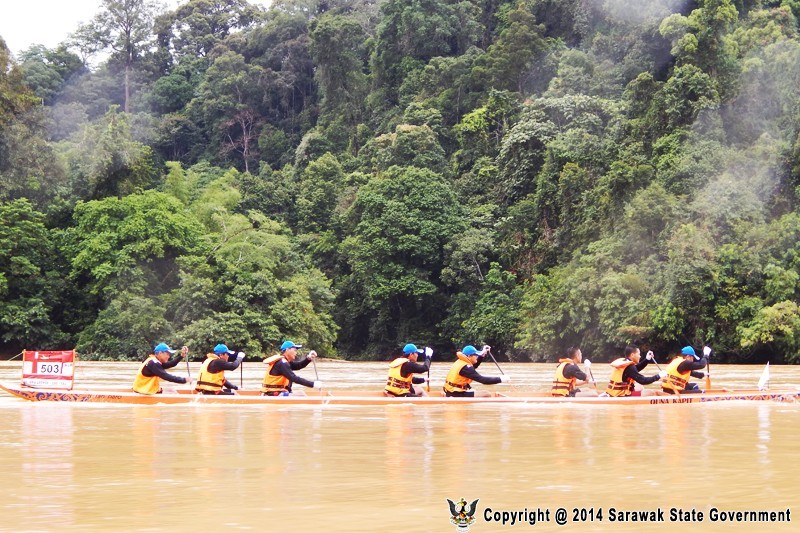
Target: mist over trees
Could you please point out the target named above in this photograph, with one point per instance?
(530, 174)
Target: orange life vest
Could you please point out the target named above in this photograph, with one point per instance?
(675, 381)
(396, 383)
(617, 387)
(208, 381)
(274, 384)
(144, 384)
(562, 385)
(455, 382)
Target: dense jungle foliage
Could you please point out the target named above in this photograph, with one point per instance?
(358, 174)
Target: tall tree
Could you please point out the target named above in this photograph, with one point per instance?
(125, 27)
(336, 46)
(400, 224)
(28, 286)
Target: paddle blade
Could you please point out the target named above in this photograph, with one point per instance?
(763, 382)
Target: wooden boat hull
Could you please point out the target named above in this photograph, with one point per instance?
(126, 396)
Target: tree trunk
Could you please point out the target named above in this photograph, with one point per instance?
(127, 86)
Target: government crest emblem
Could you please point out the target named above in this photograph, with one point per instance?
(461, 514)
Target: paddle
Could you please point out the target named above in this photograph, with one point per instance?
(651, 357)
(241, 369)
(707, 353)
(314, 362)
(428, 382)
(587, 365)
(489, 351)
(185, 354)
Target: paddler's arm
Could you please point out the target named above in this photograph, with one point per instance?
(154, 369)
(471, 373)
(633, 373)
(692, 366)
(218, 365)
(172, 362)
(574, 371)
(282, 368)
(299, 365)
(415, 368)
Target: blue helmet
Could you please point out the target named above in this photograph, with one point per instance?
(161, 347)
(469, 350)
(288, 345)
(408, 349)
(220, 349)
(688, 350)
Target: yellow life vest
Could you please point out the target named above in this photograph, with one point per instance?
(274, 384)
(562, 385)
(675, 381)
(617, 387)
(396, 383)
(146, 385)
(208, 381)
(455, 382)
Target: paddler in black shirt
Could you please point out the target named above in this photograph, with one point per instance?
(568, 373)
(280, 375)
(463, 372)
(681, 368)
(152, 371)
(626, 371)
(401, 378)
(212, 372)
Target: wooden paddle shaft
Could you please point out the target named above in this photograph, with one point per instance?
(495, 362)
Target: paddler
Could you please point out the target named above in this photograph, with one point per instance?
(212, 372)
(626, 372)
(567, 375)
(401, 378)
(280, 372)
(462, 373)
(153, 370)
(684, 366)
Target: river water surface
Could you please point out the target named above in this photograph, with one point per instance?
(85, 467)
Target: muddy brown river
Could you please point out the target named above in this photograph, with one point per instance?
(703, 467)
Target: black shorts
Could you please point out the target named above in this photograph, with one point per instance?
(461, 394)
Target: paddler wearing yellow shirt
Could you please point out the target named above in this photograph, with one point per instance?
(401, 380)
(153, 370)
(463, 372)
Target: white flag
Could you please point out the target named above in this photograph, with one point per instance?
(763, 382)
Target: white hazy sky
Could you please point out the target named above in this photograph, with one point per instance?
(49, 22)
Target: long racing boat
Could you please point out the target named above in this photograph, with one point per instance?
(348, 397)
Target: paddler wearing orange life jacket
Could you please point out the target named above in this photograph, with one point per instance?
(212, 371)
(280, 372)
(462, 373)
(148, 378)
(401, 378)
(626, 372)
(684, 366)
(567, 375)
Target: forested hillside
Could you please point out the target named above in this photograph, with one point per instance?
(530, 174)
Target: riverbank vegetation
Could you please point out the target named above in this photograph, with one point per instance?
(358, 174)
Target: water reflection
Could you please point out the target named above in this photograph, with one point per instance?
(46, 457)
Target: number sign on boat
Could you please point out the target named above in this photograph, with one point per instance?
(48, 370)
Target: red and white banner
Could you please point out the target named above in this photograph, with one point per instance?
(48, 370)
